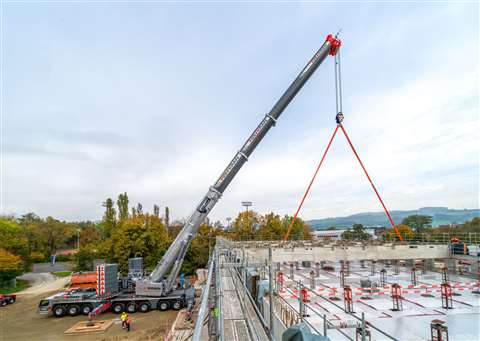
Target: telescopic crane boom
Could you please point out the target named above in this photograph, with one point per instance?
(173, 258)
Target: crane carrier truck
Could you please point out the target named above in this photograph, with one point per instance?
(156, 291)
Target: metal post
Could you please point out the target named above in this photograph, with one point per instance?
(325, 325)
(317, 269)
(363, 326)
(270, 291)
(291, 270)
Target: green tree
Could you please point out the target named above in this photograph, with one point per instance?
(199, 250)
(243, 226)
(167, 218)
(141, 236)
(55, 234)
(272, 227)
(109, 217)
(418, 222)
(300, 230)
(331, 228)
(122, 204)
(356, 233)
(12, 240)
(10, 265)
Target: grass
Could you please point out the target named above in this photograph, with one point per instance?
(62, 273)
(21, 285)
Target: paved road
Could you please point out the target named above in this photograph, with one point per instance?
(47, 267)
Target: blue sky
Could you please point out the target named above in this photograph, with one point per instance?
(155, 98)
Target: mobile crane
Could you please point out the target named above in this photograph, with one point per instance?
(157, 290)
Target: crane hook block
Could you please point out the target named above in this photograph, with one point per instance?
(335, 44)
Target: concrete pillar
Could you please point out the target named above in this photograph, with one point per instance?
(451, 265)
(317, 269)
(396, 267)
(291, 270)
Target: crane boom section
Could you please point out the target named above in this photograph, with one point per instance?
(173, 258)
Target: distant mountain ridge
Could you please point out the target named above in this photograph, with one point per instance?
(440, 216)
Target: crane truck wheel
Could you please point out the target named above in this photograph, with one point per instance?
(86, 309)
(59, 310)
(163, 306)
(177, 305)
(73, 310)
(143, 307)
(118, 308)
(131, 307)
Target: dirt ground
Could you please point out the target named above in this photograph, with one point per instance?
(20, 322)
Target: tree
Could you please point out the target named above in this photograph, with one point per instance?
(109, 217)
(404, 230)
(356, 233)
(272, 227)
(10, 265)
(418, 222)
(300, 230)
(54, 234)
(122, 203)
(139, 209)
(156, 211)
(331, 228)
(141, 236)
(244, 223)
(11, 239)
(199, 250)
(167, 218)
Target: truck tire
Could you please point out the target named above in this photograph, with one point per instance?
(3, 302)
(177, 305)
(117, 308)
(163, 305)
(143, 307)
(59, 310)
(87, 309)
(73, 310)
(131, 307)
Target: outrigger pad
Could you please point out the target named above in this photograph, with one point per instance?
(84, 327)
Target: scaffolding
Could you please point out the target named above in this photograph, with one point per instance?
(447, 300)
(438, 330)
(348, 299)
(396, 294)
(413, 276)
(383, 277)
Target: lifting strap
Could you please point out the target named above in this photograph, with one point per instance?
(285, 238)
(339, 119)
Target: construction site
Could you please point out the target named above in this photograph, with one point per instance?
(365, 287)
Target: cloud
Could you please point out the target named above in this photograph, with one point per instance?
(158, 109)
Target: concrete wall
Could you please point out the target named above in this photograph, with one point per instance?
(278, 326)
(351, 253)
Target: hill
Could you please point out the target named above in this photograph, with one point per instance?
(441, 216)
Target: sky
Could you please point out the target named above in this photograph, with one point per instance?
(154, 99)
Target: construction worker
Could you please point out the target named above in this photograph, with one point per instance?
(123, 318)
(128, 321)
